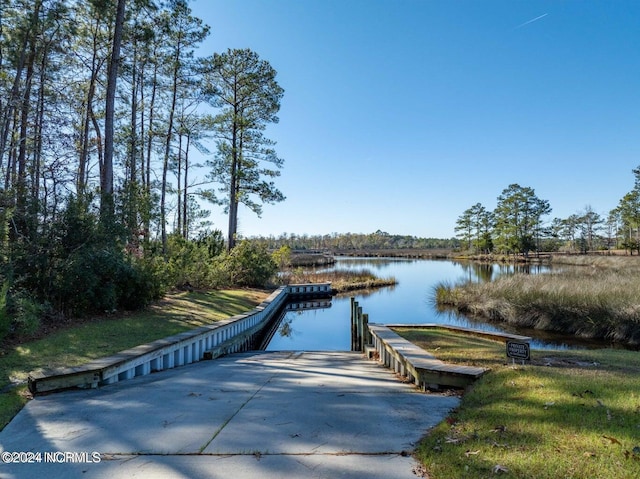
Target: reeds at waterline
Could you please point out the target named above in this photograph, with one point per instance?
(588, 302)
(341, 280)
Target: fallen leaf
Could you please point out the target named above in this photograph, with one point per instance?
(612, 439)
(497, 469)
(499, 429)
(472, 453)
(549, 404)
(589, 454)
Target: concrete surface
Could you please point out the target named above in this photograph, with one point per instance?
(251, 415)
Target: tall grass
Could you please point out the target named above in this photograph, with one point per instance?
(611, 261)
(587, 302)
(341, 280)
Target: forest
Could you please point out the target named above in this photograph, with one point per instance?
(518, 225)
(105, 107)
(344, 242)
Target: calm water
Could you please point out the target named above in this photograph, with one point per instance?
(409, 302)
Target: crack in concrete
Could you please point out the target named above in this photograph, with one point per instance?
(293, 354)
(115, 455)
(235, 413)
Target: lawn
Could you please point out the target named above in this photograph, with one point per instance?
(99, 337)
(567, 414)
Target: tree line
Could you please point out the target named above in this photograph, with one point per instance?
(105, 111)
(354, 241)
(517, 225)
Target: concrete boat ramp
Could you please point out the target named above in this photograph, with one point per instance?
(247, 415)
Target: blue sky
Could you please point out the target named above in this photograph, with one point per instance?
(400, 114)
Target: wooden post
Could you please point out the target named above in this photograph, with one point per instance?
(359, 330)
(366, 335)
(353, 322)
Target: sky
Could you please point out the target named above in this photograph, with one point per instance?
(398, 115)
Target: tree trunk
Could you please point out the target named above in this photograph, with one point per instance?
(185, 224)
(233, 183)
(167, 152)
(81, 181)
(179, 181)
(106, 198)
(21, 180)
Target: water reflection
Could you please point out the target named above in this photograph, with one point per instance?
(411, 301)
(285, 330)
(485, 272)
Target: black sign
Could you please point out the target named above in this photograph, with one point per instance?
(518, 350)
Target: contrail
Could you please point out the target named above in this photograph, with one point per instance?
(532, 20)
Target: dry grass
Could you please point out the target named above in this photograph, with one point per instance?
(612, 261)
(341, 281)
(590, 302)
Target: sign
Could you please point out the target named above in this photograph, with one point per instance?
(518, 350)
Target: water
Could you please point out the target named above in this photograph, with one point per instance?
(411, 301)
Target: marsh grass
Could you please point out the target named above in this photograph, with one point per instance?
(612, 261)
(589, 302)
(78, 344)
(573, 414)
(341, 280)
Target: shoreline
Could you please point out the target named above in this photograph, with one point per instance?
(597, 303)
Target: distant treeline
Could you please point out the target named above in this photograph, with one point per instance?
(354, 241)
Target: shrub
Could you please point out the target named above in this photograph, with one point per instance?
(189, 262)
(282, 257)
(5, 320)
(27, 315)
(249, 264)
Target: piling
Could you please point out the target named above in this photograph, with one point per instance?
(359, 328)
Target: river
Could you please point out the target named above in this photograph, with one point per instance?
(411, 301)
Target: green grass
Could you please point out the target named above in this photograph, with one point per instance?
(81, 343)
(569, 414)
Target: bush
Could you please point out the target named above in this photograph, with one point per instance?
(188, 263)
(27, 315)
(20, 314)
(5, 320)
(249, 264)
(103, 279)
(139, 282)
(282, 257)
